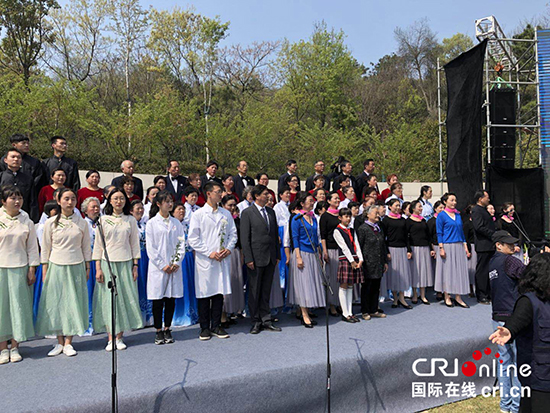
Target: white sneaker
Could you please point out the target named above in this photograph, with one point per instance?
(15, 356)
(56, 351)
(69, 351)
(109, 346)
(4, 356)
(120, 345)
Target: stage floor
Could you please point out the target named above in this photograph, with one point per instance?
(269, 372)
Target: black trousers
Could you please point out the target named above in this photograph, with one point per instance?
(537, 403)
(260, 280)
(166, 304)
(210, 311)
(483, 287)
(370, 294)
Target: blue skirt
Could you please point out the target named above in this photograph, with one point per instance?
(91, 285)
(145, 305)
(283, 268)
(186, 312)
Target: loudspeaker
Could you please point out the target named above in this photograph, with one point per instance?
(503, 139)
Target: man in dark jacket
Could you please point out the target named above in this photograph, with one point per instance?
(128, 169)
(242, 180)
(13, 175)
(31, 166)
(484, 228)
(59, 160)
(261, 250)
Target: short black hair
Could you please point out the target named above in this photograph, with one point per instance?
(212, 162)
(260, 174)
(190, 190)
(18, 137)
(210, 186)
(158, 178)
(344, 212)
(49, 206)
(367, 161)
(14, 150)
(258, 190)
(479, 194)
(291, 162)
(10, 190)
(90, 172)
(54, 139)
(228, 198)
(57, 170)
(283, 189)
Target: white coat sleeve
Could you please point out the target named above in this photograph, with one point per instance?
(195, 240)
(155, 257)
(232, 237)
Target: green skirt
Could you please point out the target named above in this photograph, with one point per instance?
(63, 307)
(128, 312)
(15, 304)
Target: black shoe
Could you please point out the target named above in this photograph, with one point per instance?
(425, 302)
(414, 301)
(306, 325)
(205, 334)
(256, 328)
(405, 306)
(463, 305)
(449, 305)
(394, 305)
(348, 319)
(484, 301)
(270, 327)
(168, 337)
(380, 310)
(220, 333)
(159, 338)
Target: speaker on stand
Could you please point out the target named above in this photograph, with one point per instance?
(503, 139)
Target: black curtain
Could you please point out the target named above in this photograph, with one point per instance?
(523, 187)
(464, 89)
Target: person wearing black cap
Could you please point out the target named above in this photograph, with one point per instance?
(505, 271)
(529, 327)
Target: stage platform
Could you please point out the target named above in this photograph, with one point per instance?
(270, 372)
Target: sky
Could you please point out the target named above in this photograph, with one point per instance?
(368, 24)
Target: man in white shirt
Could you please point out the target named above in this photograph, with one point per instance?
(213, 236)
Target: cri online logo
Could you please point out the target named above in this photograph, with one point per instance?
(469, 368)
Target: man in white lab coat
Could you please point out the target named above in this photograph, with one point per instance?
(213, 235)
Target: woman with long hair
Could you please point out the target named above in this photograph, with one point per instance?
(58, 177)
(66, 255)
(122, 245)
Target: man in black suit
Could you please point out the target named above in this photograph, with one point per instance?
(346, 167)
(127, 168)
(175, 183)
(31, 166)
(211, 169)
(291, 169)
(319, 170)
(13, 175)
(484, 228)
(59, 160)
(261, 250)
(242, 180)
(361, 179)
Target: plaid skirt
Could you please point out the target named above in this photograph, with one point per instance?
(347, 275)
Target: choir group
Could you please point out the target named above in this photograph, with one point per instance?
(176, 248)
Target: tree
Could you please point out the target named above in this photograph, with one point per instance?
(187, 45)
(418, 46)
(25, 33)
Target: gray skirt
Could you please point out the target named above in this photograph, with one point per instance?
(307, 285)
(451, 275)
(331, 269)
(276, 299)
(234, 303)
(472, 262)
(421, 267)
(399, 270)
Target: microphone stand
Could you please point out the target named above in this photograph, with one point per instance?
(326, 284)
(114, 292)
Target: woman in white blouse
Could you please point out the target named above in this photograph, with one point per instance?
(66, 255)
(122, 247)
(166, 249)
(18, 261)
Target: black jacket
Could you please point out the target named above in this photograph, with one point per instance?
(259, 245)
(68, 165)
(204, 181)
(25, 184)
(182, 184)
(138, 184)
(33, 167)
(310, 184)
(282, 183)
(484, 228)
(238, 186)
(353, 182)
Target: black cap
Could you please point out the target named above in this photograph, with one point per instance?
(504, 237)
